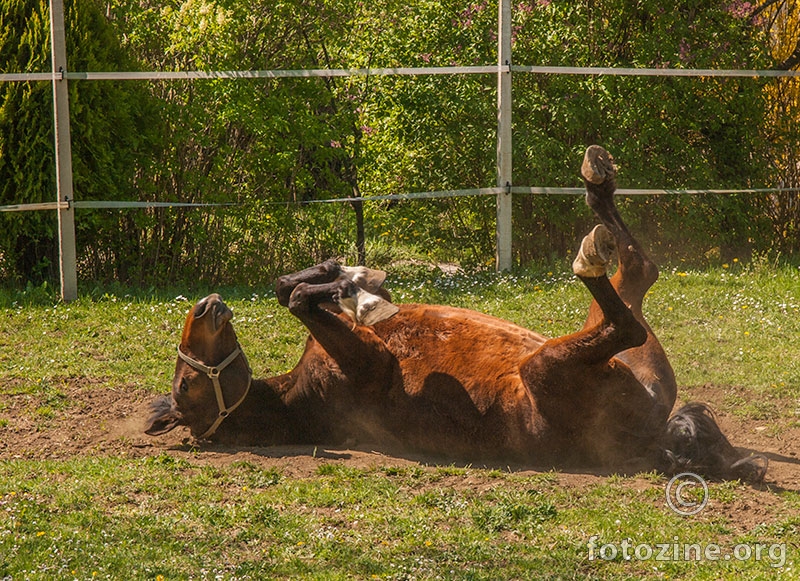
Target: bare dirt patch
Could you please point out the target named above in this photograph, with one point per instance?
(98, 421)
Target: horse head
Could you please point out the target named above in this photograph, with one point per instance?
(212, 376)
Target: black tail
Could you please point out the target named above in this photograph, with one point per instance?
(693, 442)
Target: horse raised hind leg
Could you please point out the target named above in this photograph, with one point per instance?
(626, 419)
(691, 438)
(635, 274)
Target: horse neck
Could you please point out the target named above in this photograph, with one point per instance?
(262, 419)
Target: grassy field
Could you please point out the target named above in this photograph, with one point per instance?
(173, 514)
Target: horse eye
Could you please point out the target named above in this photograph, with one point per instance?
(184, 386)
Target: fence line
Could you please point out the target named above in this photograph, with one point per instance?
(438, 194)
(392, 71)
(645, 72)
(65, 203)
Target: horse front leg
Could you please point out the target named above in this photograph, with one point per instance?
(617, 329)
(326, 272)
(368, 279)
(596, 406)
(354, 347)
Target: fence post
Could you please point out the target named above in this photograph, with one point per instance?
(66, 216)
(504, 168)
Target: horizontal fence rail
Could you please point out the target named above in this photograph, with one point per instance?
(392, 71)
(93, 204)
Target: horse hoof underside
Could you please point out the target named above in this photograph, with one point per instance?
(598, 165)
(595, 253)
(366, 308)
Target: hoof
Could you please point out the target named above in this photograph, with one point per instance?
(598, 165)
(368, 279)
(366, 308)
(595, 253)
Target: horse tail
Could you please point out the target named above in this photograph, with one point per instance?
(693, 442)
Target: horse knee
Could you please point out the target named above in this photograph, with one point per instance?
(306, 297)
(283, 290)
(298, 300)
(321, 273)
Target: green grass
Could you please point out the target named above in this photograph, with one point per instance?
(173, 516)
(177, 519)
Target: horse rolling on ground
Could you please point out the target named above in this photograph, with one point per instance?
(458, 384)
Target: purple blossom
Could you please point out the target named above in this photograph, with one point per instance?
(739, 9)
(683, 51)
(465, 18)
(529, 6)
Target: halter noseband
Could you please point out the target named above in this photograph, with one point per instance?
(213, 374)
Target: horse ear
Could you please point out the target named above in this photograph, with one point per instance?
(164, 418)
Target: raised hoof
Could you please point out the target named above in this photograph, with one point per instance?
(366, 308)
(368, 279)
(598, 165)
(595, 253)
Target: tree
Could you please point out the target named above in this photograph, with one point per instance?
(110, 133)
(275, 146)
(780, 19)
(26, 142)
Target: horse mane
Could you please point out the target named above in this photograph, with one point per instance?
(692, 441)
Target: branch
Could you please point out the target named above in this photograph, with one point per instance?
(764, 6)
(791, 61)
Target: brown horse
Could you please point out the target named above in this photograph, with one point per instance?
(456, 383)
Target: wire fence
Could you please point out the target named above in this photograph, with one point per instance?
(394, 71)
(503, 70)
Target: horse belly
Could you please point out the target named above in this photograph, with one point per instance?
(459, 386)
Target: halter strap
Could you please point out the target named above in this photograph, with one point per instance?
(213, 374)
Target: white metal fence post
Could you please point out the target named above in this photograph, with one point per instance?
(504, 168)
(66, 214)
